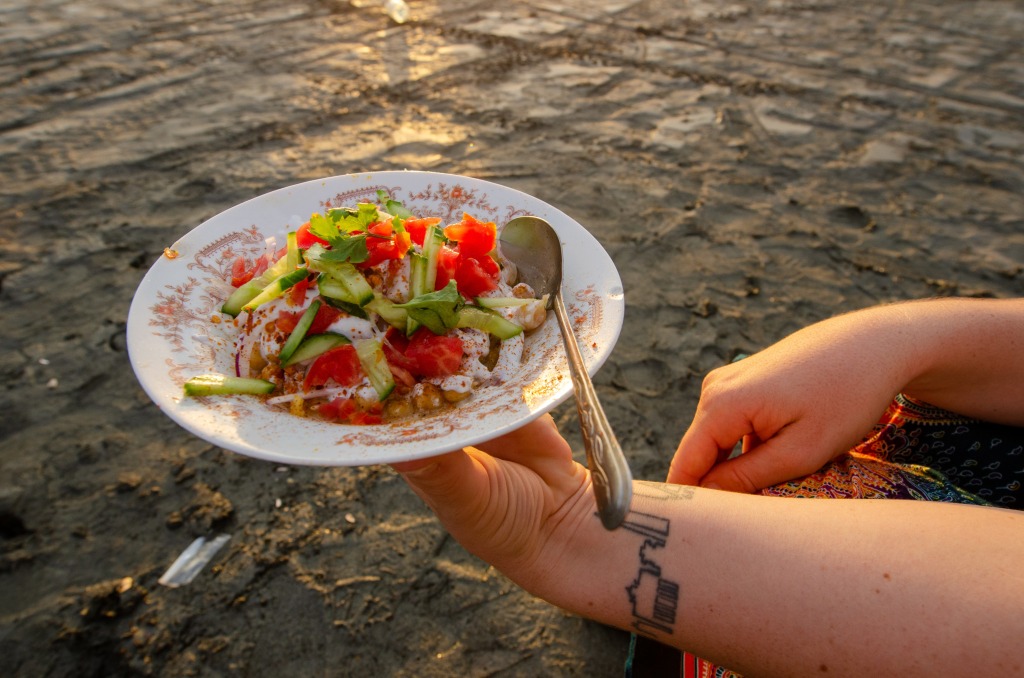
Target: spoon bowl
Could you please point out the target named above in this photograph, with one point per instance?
(533, 246)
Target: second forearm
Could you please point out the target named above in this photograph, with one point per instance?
(970, 355)
(777, 586)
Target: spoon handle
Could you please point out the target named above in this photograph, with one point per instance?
(613, 481)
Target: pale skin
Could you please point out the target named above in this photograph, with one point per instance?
(771, 586)
(813, 395)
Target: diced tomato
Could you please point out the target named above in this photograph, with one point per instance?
(297, 293)
(434, 355)
(239, 276)
(417, 228)
(364, 418)
(325, 317)
(395, 345)
(304, 237)
(383, 243)
(475, 276)
(476, 238)
(396, 339)
(338, 408)
(424, 355)
(242, 273)
(287, 320)
(340, 364)
(447, 264)
(347, 410)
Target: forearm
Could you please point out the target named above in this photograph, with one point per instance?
(786, 587)
(968, 355)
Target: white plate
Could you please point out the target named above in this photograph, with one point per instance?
(175, 329)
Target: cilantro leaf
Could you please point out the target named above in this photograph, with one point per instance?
(393, 207)
(347, 248)
(322, 227)
(343, 220)
(347, 220)
(438, 310)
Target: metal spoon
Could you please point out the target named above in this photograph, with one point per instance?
(533, 246)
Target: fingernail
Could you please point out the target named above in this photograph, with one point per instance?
(711, 486)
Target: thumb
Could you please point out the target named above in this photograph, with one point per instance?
(448, 480)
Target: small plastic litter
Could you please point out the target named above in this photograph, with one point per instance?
(192, 560)
(397, 10)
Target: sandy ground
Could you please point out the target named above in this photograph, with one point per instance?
(751, 167)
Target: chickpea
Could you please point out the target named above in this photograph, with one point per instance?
(532, 315)
(398, 408)
(256, 361)
(455, 396)
(523, 291)
(271, 372)
(427, 397)
(366, 398)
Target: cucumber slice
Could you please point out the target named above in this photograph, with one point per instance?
(342, 271)
(242, 295)
(371, 357)
(292, 256)
(433, 240)
(276, 289)
(219, 384)
(339, 296)
(247, 292)
(417, 271)
(299, 333)
(354, 310)
(417, 263)
(488, 321)
(423, 270)
(314, 345)
(386, 309)
(351, 278)
(332, 289)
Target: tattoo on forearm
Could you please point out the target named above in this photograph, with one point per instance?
(662, 491)
(654, 599)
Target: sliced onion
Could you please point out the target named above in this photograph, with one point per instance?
(318, 393)
(243, 350)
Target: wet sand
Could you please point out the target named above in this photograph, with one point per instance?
(750, 167)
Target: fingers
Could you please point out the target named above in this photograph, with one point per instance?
(709, 440)
(773, 451)
(784, 457)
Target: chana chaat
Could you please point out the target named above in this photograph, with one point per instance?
(369, 315)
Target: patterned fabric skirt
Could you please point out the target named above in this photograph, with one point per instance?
(915, 451)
